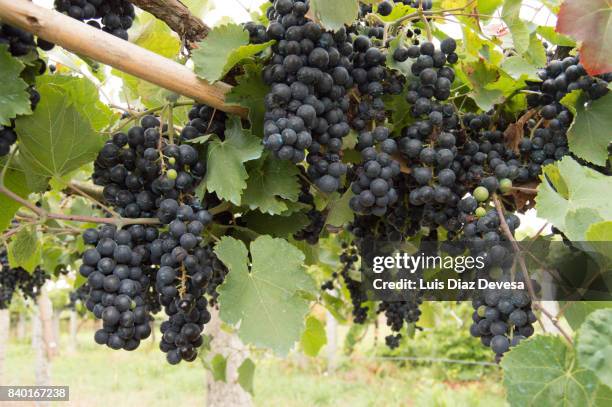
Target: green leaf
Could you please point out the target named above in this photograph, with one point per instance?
(15, 181)
(223, 48)
(479, 74)
(340, 213)
(594, 345)
(571, 100)
(569, 194)
(488, 7)
(264, 299)
(333, 15)
(249, 93)
(275, 225)
(83, 95)
(24, 250)
(403, 67)
(269, 180)
(57, 138)
(399, 10)
(246, 374)
(314, 337)
(591, 131)
(577, 312)
(517, 67)
(517, 27)
(600, 232)
(14, 96)
(152, 34)
(225, 174)
(542, 372)
(218, 367)
(550, 35)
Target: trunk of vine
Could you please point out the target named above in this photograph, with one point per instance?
(72, 347)
(4, 337)
(228, 393)
(42, 376)
(21, 326)
(56, 327)
(331, 330)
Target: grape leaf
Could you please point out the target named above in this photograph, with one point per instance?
(340, 213)
(14, 180)
(577, 312)
(250, 93)
(275, 225)
(566, 188)
(478, 75)
(542, 372)
(25, 250)
(333, 15)
(594, 345)
(225, 172)
(517, 67)
(223, 48)
(246, 374)
(154, 35)
(218, 367)
(591, 131)
(314, 337)
(14, 97)
(518, 28)
(591, 23)
(83, 95)
(488, 7)
(270, 180)
(550, 35)
(57, 138)
(265, 298)
(399, 10)
(403, 67)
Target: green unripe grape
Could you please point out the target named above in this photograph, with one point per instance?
(481, 311)
(505, 185)
(480, 212)
(171, 160)
(171, 174)
(481, 194)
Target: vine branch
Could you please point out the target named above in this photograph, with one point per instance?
(506, 230)
(177, 16)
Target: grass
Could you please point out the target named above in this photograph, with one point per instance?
(100, 377)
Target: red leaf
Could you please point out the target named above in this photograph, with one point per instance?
(590, 22)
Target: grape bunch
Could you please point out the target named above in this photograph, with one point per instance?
(20, 43)
(307, 103)
(118, 275)
(502, 319)
(312, 231)
(7, 139)
(78, 295)
(18, 279)
(204, 119)
(139, 169)
(374, 188)
(111, 16)
(545, 140)
(145, 175)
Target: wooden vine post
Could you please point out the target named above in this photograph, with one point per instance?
(107, 49)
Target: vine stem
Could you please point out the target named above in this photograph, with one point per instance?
(43, 215)
(526, 190)
(506, 230)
